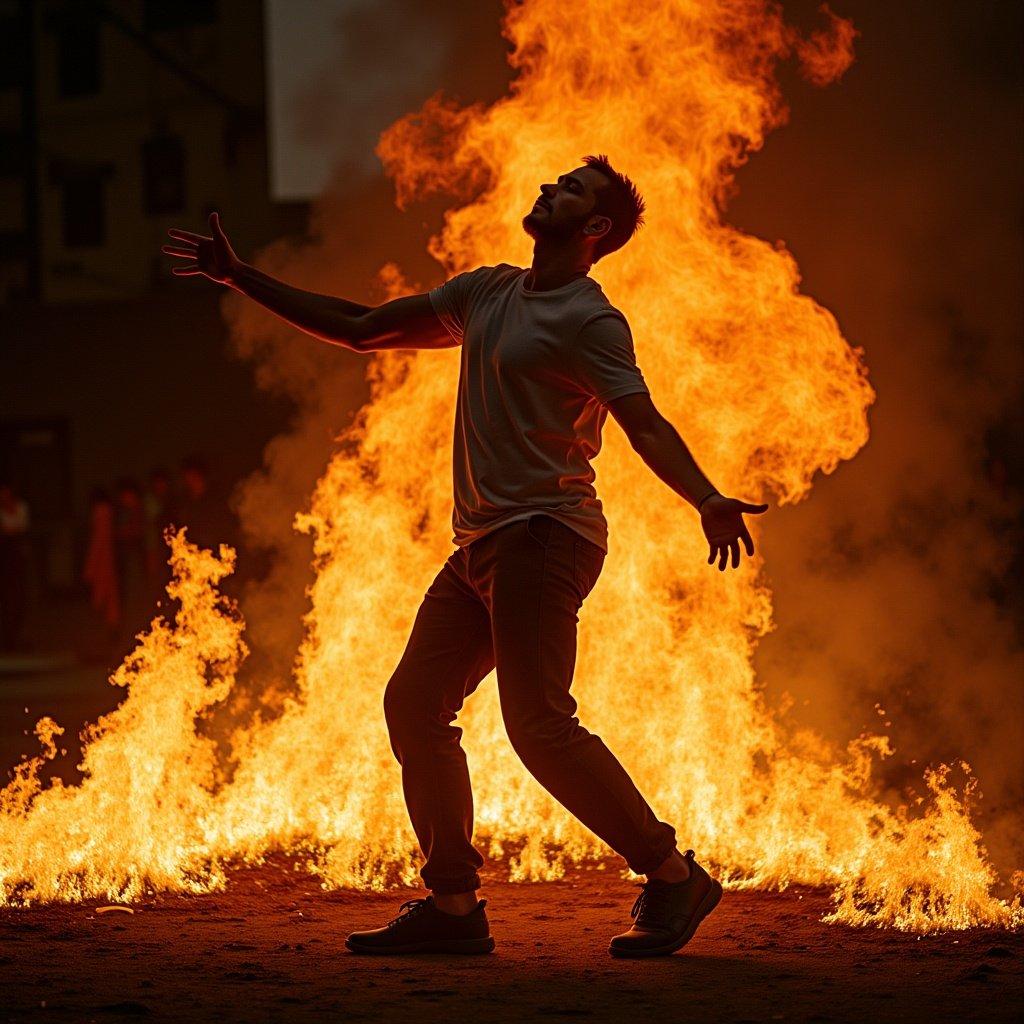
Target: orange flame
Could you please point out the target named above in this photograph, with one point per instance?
(759, 381)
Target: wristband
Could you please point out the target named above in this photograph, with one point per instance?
(705, 498)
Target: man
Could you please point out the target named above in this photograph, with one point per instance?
(544, 357)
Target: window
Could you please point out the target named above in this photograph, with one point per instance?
(163, 175)
(13, 153)
(78, 56)
(13, 51)
(83, 215)
(160, 15)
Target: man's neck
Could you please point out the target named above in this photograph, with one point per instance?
(552, 269)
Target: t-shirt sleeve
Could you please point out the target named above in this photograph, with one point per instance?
(604, 360)
(452, 300)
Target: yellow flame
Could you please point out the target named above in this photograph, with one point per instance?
(758, 379)
(136, 819)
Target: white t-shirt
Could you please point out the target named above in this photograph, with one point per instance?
(537, 369)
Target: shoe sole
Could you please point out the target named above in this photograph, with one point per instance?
(464, 946)
(708, 904)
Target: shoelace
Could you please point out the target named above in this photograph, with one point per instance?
(651, 906)
(415, 906)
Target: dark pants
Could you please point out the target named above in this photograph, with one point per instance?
(508, 600)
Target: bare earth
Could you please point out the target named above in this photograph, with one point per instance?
(270, 949)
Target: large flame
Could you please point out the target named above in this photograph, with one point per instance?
(759, 381)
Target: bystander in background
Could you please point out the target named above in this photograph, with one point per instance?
(14, 568)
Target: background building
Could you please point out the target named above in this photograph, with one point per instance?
(118, 120)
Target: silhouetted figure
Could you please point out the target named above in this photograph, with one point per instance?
(545, 357)
(161, 510)
(133, 559)
(160, 506)
(201, 508)
(100, 571)
(14, 568)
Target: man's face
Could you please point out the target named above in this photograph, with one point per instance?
(563, 208)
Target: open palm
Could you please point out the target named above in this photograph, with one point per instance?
(212, 257)
(722, 521)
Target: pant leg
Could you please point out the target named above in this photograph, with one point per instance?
(448, 653)
(534, 575)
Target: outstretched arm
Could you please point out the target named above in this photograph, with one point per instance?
(658, 443)
(407, 322)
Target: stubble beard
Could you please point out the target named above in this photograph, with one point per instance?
(541, 230)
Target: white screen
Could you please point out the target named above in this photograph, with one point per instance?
(339, 72)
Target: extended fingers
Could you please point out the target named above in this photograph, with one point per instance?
(188, 236)
(748, 542)
(186, 271)
(722, 550)
(173, 250)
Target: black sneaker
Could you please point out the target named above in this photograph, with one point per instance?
(421, 928)
(667, 913)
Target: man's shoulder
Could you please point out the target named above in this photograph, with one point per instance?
(595, 307)
(499, 271)
(490, 278)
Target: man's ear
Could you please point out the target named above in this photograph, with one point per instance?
(598, 226)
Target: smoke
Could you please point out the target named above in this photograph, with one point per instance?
(381, 58)
(897, 584)
(893, 583)
(390, 58)
(327, 385)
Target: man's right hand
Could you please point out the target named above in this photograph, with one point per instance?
(212, 257)
(405, 322)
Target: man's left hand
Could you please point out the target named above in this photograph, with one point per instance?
(722, 521)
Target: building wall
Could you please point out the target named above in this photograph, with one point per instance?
(98, 137)
(123, 364)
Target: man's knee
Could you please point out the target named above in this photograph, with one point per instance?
(399, 712)
(537, 739)
(411, 719)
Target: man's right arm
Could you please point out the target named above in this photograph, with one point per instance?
(404, 323)
(408, 322)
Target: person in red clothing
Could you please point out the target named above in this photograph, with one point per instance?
(159, 504)
(14, 568)
(545, 356)
(100, 569)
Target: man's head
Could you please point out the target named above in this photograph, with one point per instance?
(593, 206)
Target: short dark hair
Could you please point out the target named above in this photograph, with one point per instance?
(621, 202)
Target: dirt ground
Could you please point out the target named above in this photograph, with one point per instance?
(270, 949)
